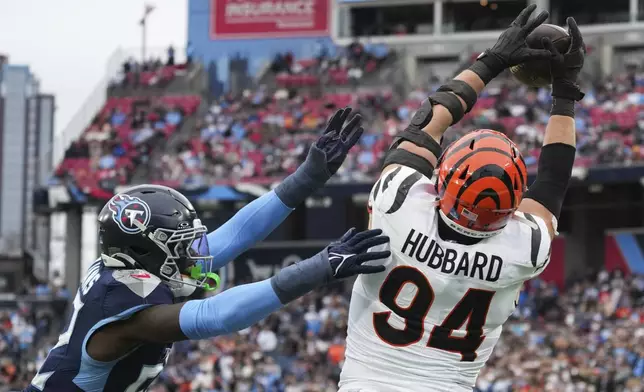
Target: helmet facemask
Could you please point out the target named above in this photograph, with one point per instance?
(188, 261)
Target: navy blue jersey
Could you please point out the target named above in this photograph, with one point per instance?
(106, 295)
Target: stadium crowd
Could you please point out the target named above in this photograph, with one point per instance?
(588, 338)
(29, 322)
(262, 135)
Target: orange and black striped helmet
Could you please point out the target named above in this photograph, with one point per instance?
(480, 181)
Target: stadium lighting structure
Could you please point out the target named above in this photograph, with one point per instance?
(147, 10)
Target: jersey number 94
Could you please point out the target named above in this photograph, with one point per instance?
(471, 310)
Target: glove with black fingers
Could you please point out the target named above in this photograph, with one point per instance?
(348, 255)
(338, 139)
(565, 67)
(511, 48)
(324, 159)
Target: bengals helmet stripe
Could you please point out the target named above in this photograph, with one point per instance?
(521, 178)
(480, 181)
(467, 140)
(495, 172)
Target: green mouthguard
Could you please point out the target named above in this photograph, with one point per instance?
(197, 274)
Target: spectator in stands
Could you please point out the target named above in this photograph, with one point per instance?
(190, 52)
(170, 62)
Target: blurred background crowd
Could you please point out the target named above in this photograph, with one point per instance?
(261, 135)
(588, 337)
(224, 128)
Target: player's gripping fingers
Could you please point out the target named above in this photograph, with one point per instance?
(372, 256)
(335, 123)
(549, 46)
(363, 235)
(370, 269)
(536, 22)
(360, 259)
(555, 55)
(347, 236)
(536, 54)
(345, 114)
(577, 42)
(354, 137)
(353, 124)
(369, 243)
(523, 17)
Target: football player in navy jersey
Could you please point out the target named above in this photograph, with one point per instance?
(155, 252)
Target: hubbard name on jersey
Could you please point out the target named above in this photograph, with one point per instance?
(106, 295)
(431, 320)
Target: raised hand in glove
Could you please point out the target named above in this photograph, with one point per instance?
(338, 139)
(565, 67)
(511, 48)
(348, 255)
(324, 159)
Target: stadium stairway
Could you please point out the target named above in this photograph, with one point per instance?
(191, 80)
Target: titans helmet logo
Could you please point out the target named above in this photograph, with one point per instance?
(126, 210)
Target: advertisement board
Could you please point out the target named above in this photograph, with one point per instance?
(243, 19)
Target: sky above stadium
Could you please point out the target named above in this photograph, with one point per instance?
(67, 43)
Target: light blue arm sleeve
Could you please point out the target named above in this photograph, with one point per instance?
(230, 311)
(250, 225)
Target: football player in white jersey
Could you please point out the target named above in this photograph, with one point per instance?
(466, 232)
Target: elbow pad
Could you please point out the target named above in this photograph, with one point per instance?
(415, 135)
(553, 175)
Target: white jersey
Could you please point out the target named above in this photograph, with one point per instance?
(431, 320)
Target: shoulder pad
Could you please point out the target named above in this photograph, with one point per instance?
(140, 282)
(540, 241)
(393, 188)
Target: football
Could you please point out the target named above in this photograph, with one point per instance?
(537, 73)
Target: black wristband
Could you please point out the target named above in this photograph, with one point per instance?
(563, 88)
(483, 71)
(562, 107)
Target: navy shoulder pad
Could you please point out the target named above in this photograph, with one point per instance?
(130, 288)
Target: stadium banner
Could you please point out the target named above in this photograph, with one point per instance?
(624, 251)
(555, 272)
(256, 19)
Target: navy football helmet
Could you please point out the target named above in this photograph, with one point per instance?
(156, 228)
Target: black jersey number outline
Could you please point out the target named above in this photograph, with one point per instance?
(471, 310)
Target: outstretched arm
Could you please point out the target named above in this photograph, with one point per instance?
(546, 195)
(241, 306)
(257, 220)
(251, 224)
(418, 146)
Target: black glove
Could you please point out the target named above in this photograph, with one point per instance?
(511, 48)
(338, 138)
(565, 67)
(348, 254)
(324, 159)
